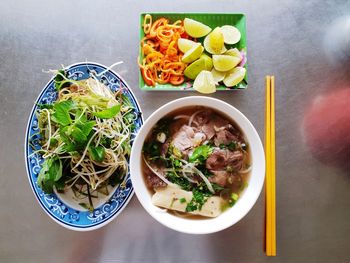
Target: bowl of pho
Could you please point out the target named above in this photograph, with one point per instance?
(197, 165)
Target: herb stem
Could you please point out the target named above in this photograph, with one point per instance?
(91, 208)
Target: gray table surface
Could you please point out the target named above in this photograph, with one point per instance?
(284, 38)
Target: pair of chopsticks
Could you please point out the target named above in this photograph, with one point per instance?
(270, 181)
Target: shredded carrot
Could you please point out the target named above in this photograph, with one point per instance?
(161, 57)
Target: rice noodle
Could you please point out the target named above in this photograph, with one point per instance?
(181, 117)
(192, 117)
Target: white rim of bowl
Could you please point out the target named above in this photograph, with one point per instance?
(138, 181)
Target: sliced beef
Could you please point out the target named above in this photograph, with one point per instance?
(183, 138)
(154, 181)
(221, 177)
(224, 159)
(165, 147)
(224, 136)
(208, 122)
(218, 122)
(202, 117)
(224, 179)
(208, 130)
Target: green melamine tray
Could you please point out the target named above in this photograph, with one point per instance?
(212, 20)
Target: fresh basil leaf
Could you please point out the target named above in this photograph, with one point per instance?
(201, 153)
(97, 153)
(77, 134)
(56, 169)
(61, 114)
(108, 113)
(69, 145)
(60, 185)
(50, 173)
(93, 100)
(86, 127)
(43, 177)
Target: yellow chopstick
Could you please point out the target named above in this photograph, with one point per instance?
(270, 183)
(273, 167)
(267, 178)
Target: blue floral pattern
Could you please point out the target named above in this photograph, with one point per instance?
(59, 211)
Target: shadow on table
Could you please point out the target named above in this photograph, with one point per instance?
(326, 128)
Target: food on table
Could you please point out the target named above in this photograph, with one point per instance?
(196, 29)
(216, 40)
(195, 162)
(208, 61)
(218, 75)
(161, 58)
(195, 68)
(185, 44)
(85, 138)
(170, 54)
(203, 63)
(210, 50)
(231, 34)
(234, 52)
(204, 82)
(225, 62)
(234, 76)
(194, 53)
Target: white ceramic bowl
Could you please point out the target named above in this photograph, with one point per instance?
(244, 203)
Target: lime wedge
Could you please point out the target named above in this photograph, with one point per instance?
(225, 62)
(231, 34)
(195, 28)
(195, 68)
(185, 44)
(216, 40)
(208, 62)
(192, 54)
(218, 75)
(234, 77)
(235, 53)
(204, 82)
(210, 50)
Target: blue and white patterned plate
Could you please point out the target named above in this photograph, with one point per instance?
(59, 211)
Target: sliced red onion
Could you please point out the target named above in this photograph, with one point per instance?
(244, 59)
